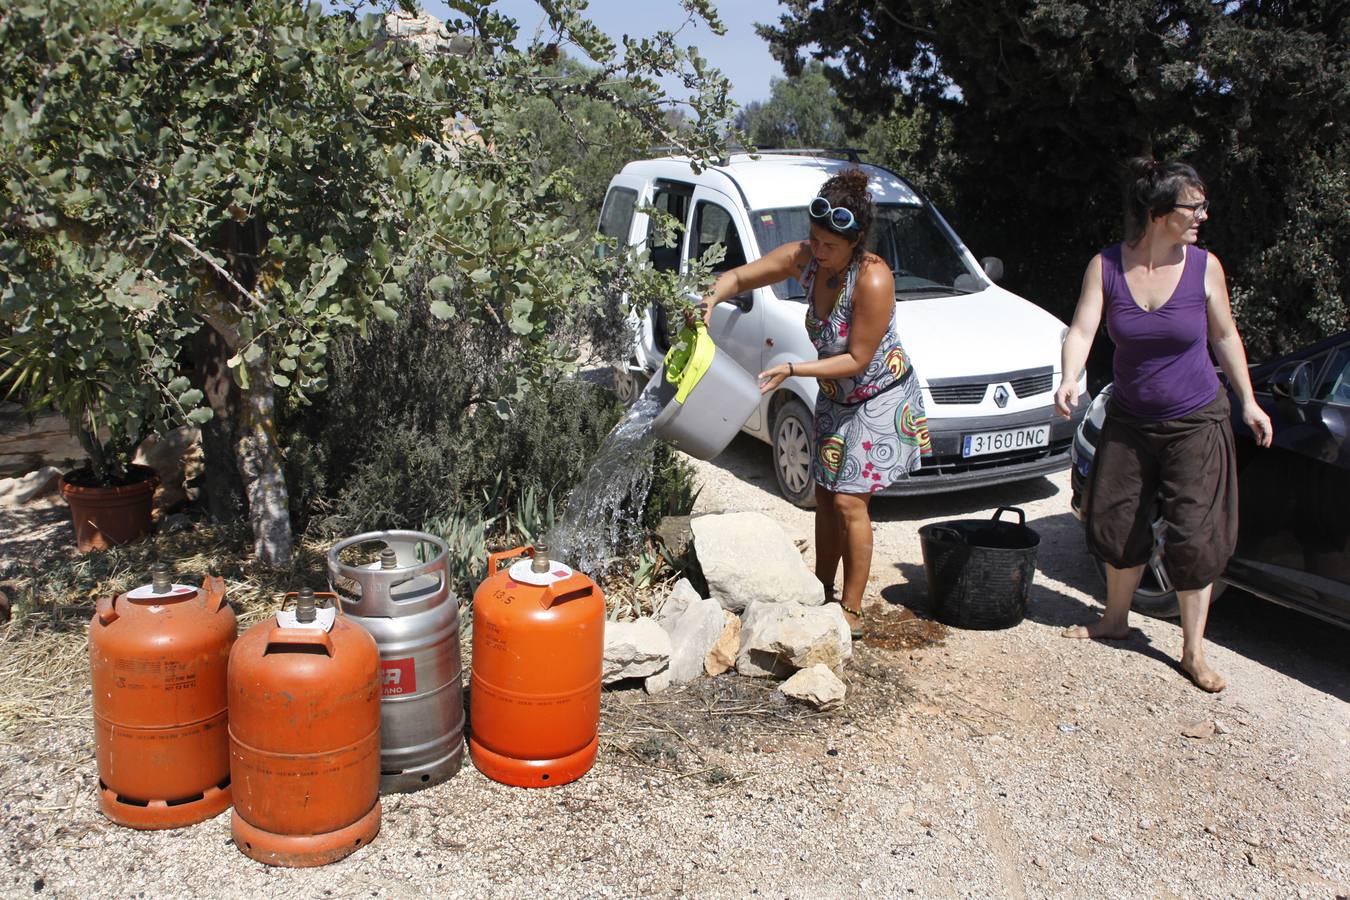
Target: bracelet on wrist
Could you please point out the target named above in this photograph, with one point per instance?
(791, 371)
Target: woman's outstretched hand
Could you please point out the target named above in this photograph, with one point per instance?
(1255, 418)
(770, 379)
(1066, 398)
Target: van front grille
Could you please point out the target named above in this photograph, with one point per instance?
(1031, 385)
(958, 394)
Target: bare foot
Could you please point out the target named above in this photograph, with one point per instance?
(1205, 678)
(854, 619)
(1098, 630)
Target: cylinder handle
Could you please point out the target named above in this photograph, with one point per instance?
(495, 560)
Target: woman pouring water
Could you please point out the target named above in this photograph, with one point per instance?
(870, 427)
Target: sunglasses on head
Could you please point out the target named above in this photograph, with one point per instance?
(838, 218)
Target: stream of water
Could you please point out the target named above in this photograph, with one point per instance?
(603, 514)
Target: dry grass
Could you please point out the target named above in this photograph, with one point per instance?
(44, 669)
(44, 663)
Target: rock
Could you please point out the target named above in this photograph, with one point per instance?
(777, 638)
(1199, 730)
(677, 601)
(177, 459)
(817, 686)
(175, 523)
(692, 634)
(675, 533)
(1221, 727)
(26, 488)
(723, 654)
(746, 558)
(634, 649)
(427, 33)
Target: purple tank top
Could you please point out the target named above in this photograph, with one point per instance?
(1162, 365)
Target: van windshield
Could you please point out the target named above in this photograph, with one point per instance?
(924, 261)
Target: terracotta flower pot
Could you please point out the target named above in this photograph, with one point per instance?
(108, 516)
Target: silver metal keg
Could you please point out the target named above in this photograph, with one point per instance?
(403, 599)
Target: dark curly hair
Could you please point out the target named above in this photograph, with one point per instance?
(849, 190)
(1151, 191)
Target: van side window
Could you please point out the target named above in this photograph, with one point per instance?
(713, 224)
(616, 218)
(669, 197)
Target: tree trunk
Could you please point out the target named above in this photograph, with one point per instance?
(222, 484)
(243, 461)
(260, 464)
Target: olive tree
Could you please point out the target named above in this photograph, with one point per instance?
(199, 196)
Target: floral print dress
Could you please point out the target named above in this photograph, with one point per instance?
(871, 430)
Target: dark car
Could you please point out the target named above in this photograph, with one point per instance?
(1294, 497)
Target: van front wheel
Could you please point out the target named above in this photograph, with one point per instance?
(628, 385)
(793, 440)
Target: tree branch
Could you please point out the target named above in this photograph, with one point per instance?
(217, 268)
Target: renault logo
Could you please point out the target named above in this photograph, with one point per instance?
(1001, 396)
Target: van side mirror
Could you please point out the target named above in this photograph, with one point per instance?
(993, 268)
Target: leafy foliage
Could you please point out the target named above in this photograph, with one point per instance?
(802, 111)
(1024, 108)
(274, 173)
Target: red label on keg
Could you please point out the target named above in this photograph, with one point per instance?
(400, 677)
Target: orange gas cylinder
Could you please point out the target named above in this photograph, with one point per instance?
(534, 695)
(305, 736)
(158, 656)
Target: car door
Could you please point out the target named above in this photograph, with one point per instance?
(1294, 542)
(736, 327)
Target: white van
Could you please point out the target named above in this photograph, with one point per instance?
(987, 360)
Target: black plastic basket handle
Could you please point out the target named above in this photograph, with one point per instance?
(943, 533)
(1021, 516)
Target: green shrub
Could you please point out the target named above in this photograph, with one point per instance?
(673, 490)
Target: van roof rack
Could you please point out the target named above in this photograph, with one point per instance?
(852, 154)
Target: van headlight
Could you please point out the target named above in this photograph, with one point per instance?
(1096, 411)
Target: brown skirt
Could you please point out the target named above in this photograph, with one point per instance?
(1189, 465)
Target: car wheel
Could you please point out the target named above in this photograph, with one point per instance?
(628, 385)
(792, 448)
(1155, 595)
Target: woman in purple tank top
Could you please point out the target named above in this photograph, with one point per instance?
(1166, 437)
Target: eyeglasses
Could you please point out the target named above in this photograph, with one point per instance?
(1194, 209)
(837, 217)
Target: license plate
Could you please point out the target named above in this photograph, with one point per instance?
(983, 442)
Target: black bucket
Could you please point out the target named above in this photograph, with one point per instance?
(980, 570)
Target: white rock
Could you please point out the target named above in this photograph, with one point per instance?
(777, 638)
(177, 458)
(634, 649)
(723, 654)
(692, 635)
(746, 558)
(1199, 730)
(677, 601)
(817, 686)
(25, 488)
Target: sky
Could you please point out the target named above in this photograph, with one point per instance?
(741, 55)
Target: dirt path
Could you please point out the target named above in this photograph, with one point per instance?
(1008, 763)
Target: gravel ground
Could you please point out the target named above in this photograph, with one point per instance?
(1009, 763)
